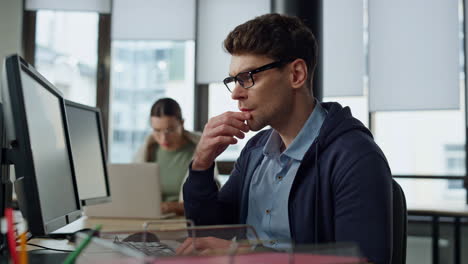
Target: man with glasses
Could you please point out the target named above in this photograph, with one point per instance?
(316, 176)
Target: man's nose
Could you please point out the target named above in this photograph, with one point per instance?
(238, 92)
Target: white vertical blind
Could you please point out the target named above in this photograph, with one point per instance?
(100, 6)
(216, 18)
(153, 20)
(413, 55)
(343, 48)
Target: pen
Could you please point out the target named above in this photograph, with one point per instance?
(23, 255)
(11, 235)
(72, 256)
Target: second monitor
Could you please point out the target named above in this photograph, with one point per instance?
(88, 152)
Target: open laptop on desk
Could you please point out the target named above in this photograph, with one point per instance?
(135, 190)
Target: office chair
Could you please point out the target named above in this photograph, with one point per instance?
(400, 223)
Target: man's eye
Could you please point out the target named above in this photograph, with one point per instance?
(242, 77)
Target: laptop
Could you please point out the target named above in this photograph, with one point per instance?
(135, 193)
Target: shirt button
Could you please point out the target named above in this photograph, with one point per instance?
(279, 178)
(268, 211)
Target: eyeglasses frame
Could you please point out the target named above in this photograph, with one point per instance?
(265, 67)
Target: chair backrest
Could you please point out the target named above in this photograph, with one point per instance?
(400, 223)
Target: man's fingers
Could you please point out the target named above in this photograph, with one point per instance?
(185, 246)
(203, 246)
(238, 115)
(209, 149)
(226, 130)
(234, 119)
(219, 133)
(206, 252)
(225, 140)
(241, 125)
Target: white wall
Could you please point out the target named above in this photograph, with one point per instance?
(11, 17)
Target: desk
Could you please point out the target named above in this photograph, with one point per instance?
(115, 225)
(455, 210)
(108, 225)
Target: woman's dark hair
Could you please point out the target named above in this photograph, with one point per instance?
(166, 107)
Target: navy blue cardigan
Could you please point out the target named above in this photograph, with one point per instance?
(341, 192)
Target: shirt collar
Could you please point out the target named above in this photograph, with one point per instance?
(273, 145)
(308, 133)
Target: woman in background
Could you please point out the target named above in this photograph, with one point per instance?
(172, 147)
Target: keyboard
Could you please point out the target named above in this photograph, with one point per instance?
(155, 249)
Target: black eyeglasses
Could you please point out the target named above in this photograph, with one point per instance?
(246, 80)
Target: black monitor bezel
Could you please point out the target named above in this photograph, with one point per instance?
(97, 113)
(21, 148)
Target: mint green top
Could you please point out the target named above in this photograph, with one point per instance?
(173, 166)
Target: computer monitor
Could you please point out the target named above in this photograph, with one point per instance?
(5, 183)
(35, 121)
(89, 152)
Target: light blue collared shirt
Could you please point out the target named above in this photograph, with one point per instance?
(272, 181)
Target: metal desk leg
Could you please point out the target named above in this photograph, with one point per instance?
(457, 240)
(435, 239)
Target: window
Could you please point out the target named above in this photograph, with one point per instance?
(415, 143)
(141, 73)
(66, 52)
(427, 143)
(455, 159)
(357, 104)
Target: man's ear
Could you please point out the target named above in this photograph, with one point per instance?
(298, 70)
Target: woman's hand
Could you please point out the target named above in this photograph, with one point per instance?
(172, 207)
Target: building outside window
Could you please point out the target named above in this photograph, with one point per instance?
(66, 52)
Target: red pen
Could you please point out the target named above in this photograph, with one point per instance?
(11, 235)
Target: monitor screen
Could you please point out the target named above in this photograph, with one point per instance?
(88, 150)
(45, 178)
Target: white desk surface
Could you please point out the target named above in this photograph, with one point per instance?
(441, 208)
